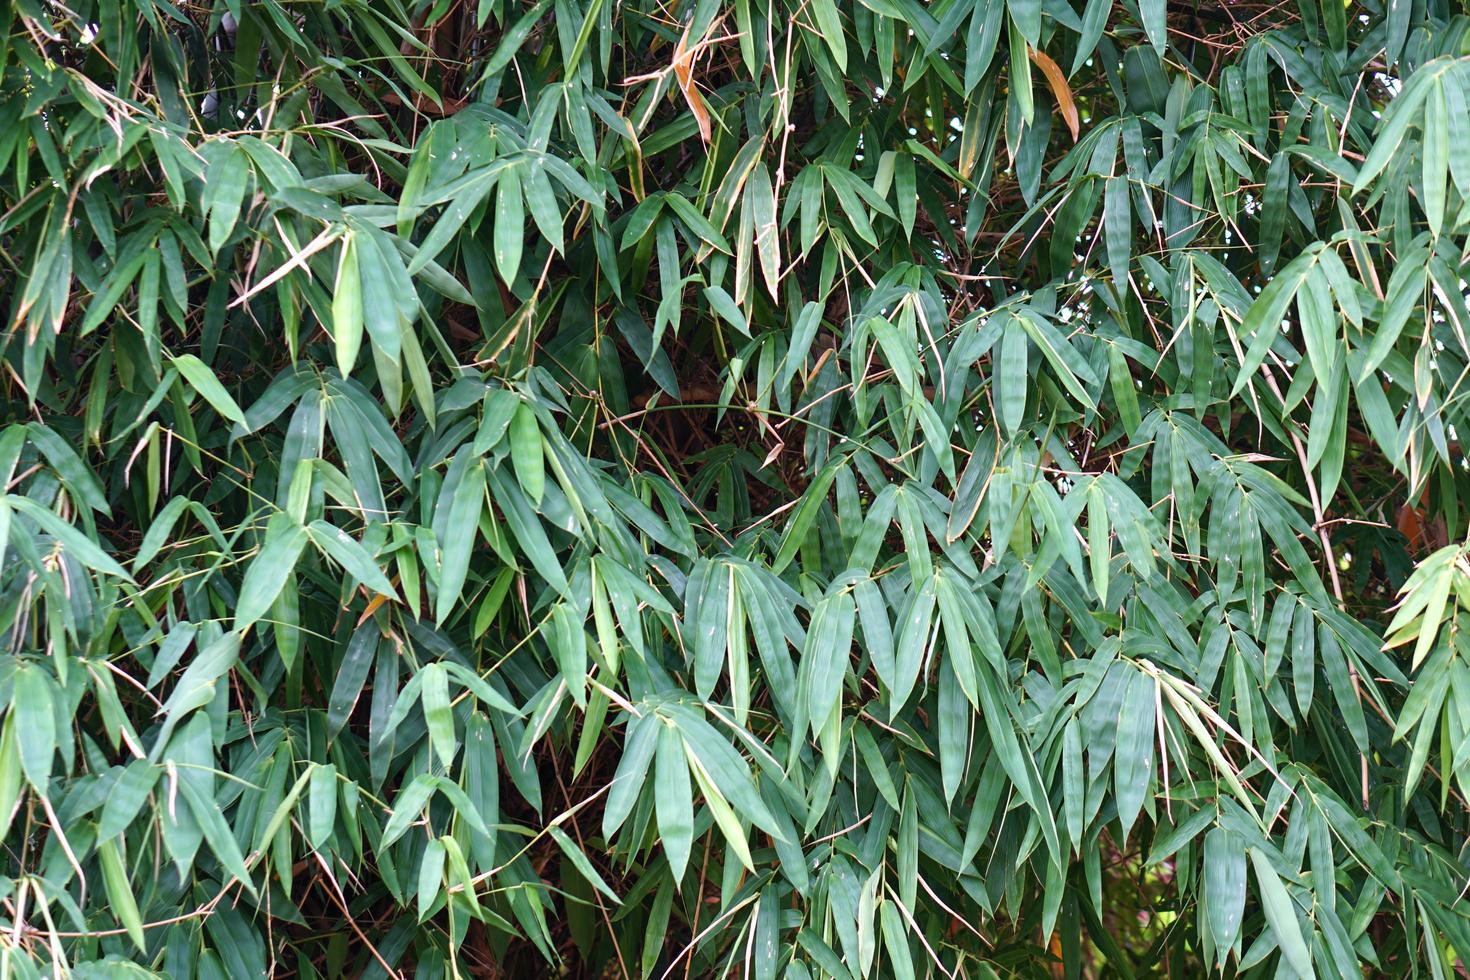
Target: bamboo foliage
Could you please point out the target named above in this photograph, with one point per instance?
(889, 489)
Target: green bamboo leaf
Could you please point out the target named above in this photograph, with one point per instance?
(913, 638)
(78, 477)
(582, 863)
(352, 556)
(1118, 228)
(72, 541)
(35, 717)
(761, 201)
(1073, 788)
(216, 832)
(510, 225)
(126, 798)
(1406, 288)
(347, 312)
(380, 298)
(321, 803)
(461, 206)
(541, 199)
(438, 712)
(1224, 888)
(1274, 209)
(202, 379)
(829, 24)
(723, 816)
(805, 514)
(1026, 15)
(825, 659)
(430, 877)
(1262, 322)
(1436, 154)
(1281, 914)
(225, 184)
(526, 452)
(460, 533)
(1303, 658)
(1134, 756)
(707, 619)
(1020, 45)
(675, 800)
(512, 39)
(280, 548)
(528, 531)
(1014, 379)
(1070, 366)
(1156, 25)
(407, 808)
(351, 676)
(120, 892)
(956, 635)
(1392, 128)
(627, 781)
(1094, 21)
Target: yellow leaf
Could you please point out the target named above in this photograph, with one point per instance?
(1059, 89)
(684, 73)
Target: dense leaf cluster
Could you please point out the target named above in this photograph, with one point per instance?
(781, 489)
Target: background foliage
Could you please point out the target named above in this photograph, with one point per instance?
(773, 488)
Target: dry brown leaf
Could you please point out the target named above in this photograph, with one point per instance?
(1059, 88)
(684, 75)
